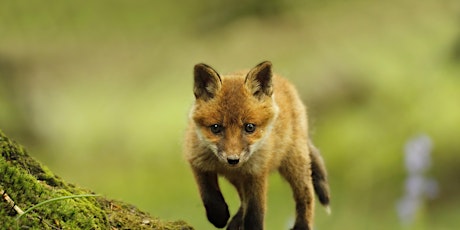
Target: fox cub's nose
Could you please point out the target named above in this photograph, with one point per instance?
(233, 160)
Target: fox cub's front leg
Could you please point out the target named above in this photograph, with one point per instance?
(216, 208)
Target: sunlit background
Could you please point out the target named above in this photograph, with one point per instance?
(99, 91)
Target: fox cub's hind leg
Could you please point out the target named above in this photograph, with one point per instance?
(216, 208)
(236, 223)
(252, 192)
(296, 170)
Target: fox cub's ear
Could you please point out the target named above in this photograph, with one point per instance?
(259, 80)
(207, 82)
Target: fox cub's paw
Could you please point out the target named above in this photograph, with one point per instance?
(237, 221)
(217, 213)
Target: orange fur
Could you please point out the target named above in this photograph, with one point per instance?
(243, 126)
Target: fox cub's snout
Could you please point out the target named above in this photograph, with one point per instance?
(243, 126)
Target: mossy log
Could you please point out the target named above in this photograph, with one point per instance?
(24, 183)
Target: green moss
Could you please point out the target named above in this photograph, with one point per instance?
(28, 183)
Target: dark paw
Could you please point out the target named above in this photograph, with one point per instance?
(217, 213)
(253, 218)
(237, 221)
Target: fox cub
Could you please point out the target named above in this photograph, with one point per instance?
(243, 126)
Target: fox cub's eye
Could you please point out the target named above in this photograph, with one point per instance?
(216, 128)
(249, 128)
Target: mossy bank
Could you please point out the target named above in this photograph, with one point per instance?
(26, 182)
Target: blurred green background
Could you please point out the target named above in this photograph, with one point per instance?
(99, 91)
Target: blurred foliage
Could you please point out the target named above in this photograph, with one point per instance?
(100, 90)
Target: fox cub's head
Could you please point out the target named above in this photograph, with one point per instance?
(234, 113)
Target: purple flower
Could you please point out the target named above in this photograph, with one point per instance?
(418, 151)
(417, 186)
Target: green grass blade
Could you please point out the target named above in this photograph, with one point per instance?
(54, 199)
